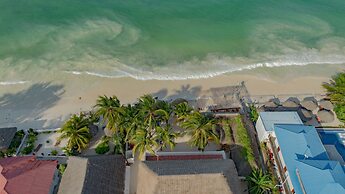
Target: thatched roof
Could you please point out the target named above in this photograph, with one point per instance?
(6, 136)
(309, 103)
(325, 116)
(272, 103)
(94, 174)
(290, 104)
(305, 114)
(326, 104)
(187, 176)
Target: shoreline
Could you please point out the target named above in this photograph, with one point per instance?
(47, 104)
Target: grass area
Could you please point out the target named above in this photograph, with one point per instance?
(244, 140)
(32, 137)
(103, 147)
(225, 123)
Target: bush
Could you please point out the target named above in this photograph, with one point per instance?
(62, 168)
(102, 148)
(244, 140)
(339, 109)
(54, 152)
(28, 149)
(254, 115)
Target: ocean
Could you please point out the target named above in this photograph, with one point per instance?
(169, 40)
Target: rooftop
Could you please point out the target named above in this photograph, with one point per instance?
(271, 118)
(188, 176)
(26, 175)
(94, 174)
(6, 136)
(307, 161)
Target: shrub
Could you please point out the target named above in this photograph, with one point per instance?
(28, 149)
(102, 148)
(62, 168)
(54, 152)
(254, 115)
(339, 109)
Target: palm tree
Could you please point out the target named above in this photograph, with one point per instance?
(149, 112)
(166, 136)
(336, 91)
(182, 110)
(150, 127)
(259, 182)
(201, 129)
(77, 131)
(144, 141)
(108, 108)
(336, 88)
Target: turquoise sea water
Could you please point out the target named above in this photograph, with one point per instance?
(160, 39)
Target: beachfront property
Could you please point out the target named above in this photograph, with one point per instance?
(303, 161)
(306, 161)
(27, 174)
(94, 174)
(6, 136)
(196, 173)
(267, 120)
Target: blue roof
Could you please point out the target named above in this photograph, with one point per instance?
(271, 118)
(304, 154)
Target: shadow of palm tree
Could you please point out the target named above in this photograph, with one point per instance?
(26, 107)
(186, 92)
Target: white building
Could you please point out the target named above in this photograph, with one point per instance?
(266, 121)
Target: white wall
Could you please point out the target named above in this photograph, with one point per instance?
(260, 128)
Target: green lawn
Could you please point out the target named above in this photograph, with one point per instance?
(244, 140)
(225, 123)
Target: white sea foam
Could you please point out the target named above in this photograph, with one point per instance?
(6, 83)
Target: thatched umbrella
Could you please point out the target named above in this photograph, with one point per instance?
(290, 104)
(305, 114)
(325, 104)
(294, 99)
(309, 103)
(325, 116)
(272, 103)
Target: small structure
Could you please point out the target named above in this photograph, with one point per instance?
(266, 121)
(94, 174)
(6, 136)
(291, 103)
(28, 175)
(272, 103)
(325, 116)
(326, 104)
(186, 176)
(303, 162)
(309, 103)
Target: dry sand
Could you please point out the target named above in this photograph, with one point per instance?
(46, 105)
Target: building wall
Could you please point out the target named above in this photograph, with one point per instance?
(260, 128)
(55, 182)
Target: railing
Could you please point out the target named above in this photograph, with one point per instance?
(280, 166)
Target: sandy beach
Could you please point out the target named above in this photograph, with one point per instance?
(47, 104)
